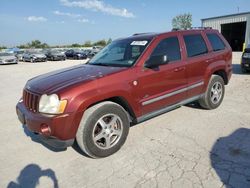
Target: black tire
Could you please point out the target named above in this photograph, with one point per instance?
(206, 100)
(88, 124)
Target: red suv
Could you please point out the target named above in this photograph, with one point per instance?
(129, 81)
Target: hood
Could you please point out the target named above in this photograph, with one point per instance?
(54, 81)
(39, 55)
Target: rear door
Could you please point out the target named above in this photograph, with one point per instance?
(197, 59)
(163, 86)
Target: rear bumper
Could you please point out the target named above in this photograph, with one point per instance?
(62, 128)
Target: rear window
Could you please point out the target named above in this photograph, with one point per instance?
(216, 42)
(195, 45)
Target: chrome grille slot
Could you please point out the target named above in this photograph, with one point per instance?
(31, 100)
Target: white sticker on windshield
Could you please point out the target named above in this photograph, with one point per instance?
(139, 43)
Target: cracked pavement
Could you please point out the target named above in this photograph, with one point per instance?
(187, 147)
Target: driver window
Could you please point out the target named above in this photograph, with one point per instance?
(170, 47)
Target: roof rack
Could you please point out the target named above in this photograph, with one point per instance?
(176, 29)
(201, 28)
(141, 34)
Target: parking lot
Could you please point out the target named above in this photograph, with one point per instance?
(187, 147)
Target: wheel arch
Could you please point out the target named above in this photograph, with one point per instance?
(222, 73)
(122, 102)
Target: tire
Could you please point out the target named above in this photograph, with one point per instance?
(214, 94)
(90, 128)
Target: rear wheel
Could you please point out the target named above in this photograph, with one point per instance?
(103, 129)
(214, 93)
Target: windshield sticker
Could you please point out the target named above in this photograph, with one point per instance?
(139, 43)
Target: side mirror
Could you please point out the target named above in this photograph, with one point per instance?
(156, 61)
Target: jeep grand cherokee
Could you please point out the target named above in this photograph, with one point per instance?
(129, 81)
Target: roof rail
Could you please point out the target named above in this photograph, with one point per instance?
(141, 34)
(176, 29)
(201, 28)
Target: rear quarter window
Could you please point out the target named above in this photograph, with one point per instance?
(216, 42)
(195, 45)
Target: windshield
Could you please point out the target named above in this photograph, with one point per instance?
(121, 53)
(6, 54)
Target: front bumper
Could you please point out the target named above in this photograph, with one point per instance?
(58, 58)
(61, 127)
(245, 63)
(40, 59)
(8, 62)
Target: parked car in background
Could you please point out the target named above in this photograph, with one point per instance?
(129, 81)
(97, 48)
(55, 55)
(76, 54)
(8, 58)
(245, 60)
(90, 53)
(34, 57)
(19, 55)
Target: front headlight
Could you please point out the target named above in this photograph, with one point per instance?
(50, 104)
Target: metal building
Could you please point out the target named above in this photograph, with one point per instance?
(235, 28)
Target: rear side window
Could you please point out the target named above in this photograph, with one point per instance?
(216, 42)
(170, 47)
(195, 45)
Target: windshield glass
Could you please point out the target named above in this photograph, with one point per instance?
(121, 53)
(6, 54)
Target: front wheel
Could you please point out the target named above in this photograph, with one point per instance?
(214, 93)
(103, 129)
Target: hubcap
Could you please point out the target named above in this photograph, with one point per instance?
(107, 131)
(216, 93)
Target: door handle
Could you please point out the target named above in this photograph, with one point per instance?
(179, 69)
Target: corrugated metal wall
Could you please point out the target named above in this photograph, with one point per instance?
(215, 23)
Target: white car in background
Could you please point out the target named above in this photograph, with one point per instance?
(8, 58)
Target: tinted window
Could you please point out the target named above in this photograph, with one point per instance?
(169, 47)
(195, 45)
(216, 42)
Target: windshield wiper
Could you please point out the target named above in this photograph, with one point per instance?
(100, 64)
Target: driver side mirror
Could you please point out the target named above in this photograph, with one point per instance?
(156, 61)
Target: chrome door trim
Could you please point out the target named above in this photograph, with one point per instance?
(172, 93)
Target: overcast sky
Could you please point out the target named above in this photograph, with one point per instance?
(75, 21)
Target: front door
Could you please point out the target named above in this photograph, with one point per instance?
(165, 85)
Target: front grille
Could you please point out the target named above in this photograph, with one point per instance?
(10, 60)
(31, 100)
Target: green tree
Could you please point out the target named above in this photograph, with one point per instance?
(35, 44)
(182, 21)
(87, 44)
(100, 43)
(109, 41)
(75, 45)
(2, 47)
